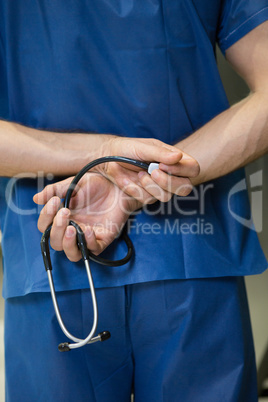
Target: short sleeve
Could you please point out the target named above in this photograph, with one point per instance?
(239, 17)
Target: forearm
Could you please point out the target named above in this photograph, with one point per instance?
(231, 140)
(25, 150)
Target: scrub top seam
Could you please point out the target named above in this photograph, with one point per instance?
(244, 28)
(168, 70)
(243, 23)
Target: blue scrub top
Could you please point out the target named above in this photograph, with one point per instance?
(143, 68)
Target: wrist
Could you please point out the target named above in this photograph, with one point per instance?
(108, 148)
(96, 146)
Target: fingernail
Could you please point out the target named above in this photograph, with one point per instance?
(54, 200)
(141, 174)
(65, 211)
(163, 166)
(69, 232)
(155, 173)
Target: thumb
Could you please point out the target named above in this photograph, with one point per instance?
(149, 150)
(52, 190)
(58, 189)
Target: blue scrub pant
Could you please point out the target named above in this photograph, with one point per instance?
(181, 340)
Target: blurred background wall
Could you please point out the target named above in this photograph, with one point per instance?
(257, 286)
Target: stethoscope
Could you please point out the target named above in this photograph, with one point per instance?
(87, 255)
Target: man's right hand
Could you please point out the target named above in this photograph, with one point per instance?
(139, 184)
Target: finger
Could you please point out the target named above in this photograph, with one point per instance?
(58, 189)
(70, 247)
(47, 193)
(187, 167)
(69, 244)
(98, 238)
(176, 185)
(47, 214)
(153, 153)
(153, 188)
(137, 192)
(58, 229)
(127, 180)
(150, 150)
